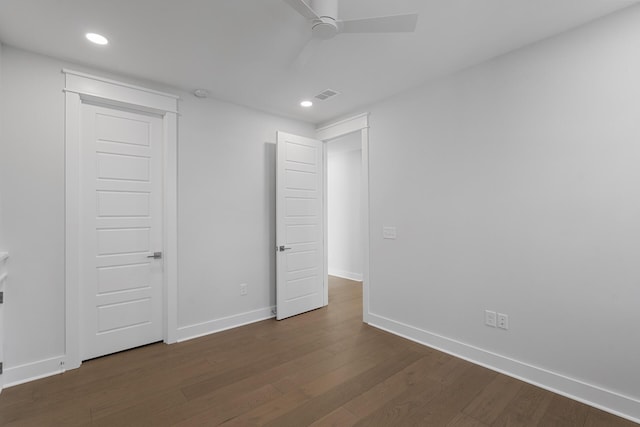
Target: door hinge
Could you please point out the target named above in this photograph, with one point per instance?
(0, 368)
(1, 297)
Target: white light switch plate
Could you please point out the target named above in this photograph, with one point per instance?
(389, 232)
(490, 318)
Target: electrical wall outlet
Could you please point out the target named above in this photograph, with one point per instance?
(503, 321)
(243, 289)
(490, 318)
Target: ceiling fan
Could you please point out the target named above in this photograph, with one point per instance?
(325, 25)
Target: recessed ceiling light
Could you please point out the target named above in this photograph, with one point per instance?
(306, 104)
(97, 38)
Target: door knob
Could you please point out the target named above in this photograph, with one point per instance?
(283, 248)
(156, 255)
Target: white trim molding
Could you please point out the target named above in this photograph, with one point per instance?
(110, 91)
(359, 123)
(606, 400)
(33, 371)
(350, 275)
(343, 127)
(81, 88)
(4, 256)
(218, 325)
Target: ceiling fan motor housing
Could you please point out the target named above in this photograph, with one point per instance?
(325, 8)
(325, 27)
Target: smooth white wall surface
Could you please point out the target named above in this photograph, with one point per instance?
(344, 158)
(514, 187)
(226, 190)
(2, 243)
(32, 188)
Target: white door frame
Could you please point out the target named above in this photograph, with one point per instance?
(359, 123)
(79, 88)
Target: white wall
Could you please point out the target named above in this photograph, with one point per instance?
(32, 188)
(515, 186)
(344, 158)
(2, 243)
(226, 225)
(226, 204)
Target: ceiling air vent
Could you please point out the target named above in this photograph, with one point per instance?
(326, 94)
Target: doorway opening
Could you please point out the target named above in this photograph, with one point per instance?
(302, 267)
(344, 231)
(129, 168)
(349, 260)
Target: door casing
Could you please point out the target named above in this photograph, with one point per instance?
(359, 123)
(79, 88)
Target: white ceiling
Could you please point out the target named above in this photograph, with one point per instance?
(242, 50)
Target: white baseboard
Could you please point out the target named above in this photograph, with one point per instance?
(33, 371)
(224, 323)
(56, 365)
(346, 274)
(606, 400)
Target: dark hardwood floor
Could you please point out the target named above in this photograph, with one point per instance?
(321, 368)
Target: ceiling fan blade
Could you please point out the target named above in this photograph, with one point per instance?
(308, 51)
(383, 24)
(302, 8)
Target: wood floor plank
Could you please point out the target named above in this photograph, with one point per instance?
(219, 399)
(331, 399)
(564, 412)
(401, 382)
(492, 400)
(400, 409)
(526, 409)
(242, 368)
(462, 420)
(446, 405)
(68, 415)
(16, 395)
(450, 370)
(598, 418)
(338, 418)
(435, 406)
(233, 407)
(265, 413)
(322, 368)
(349, 355)
(138, 414)
(120, 396)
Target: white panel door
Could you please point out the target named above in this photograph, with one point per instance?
(299, 225)
(121, 204)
